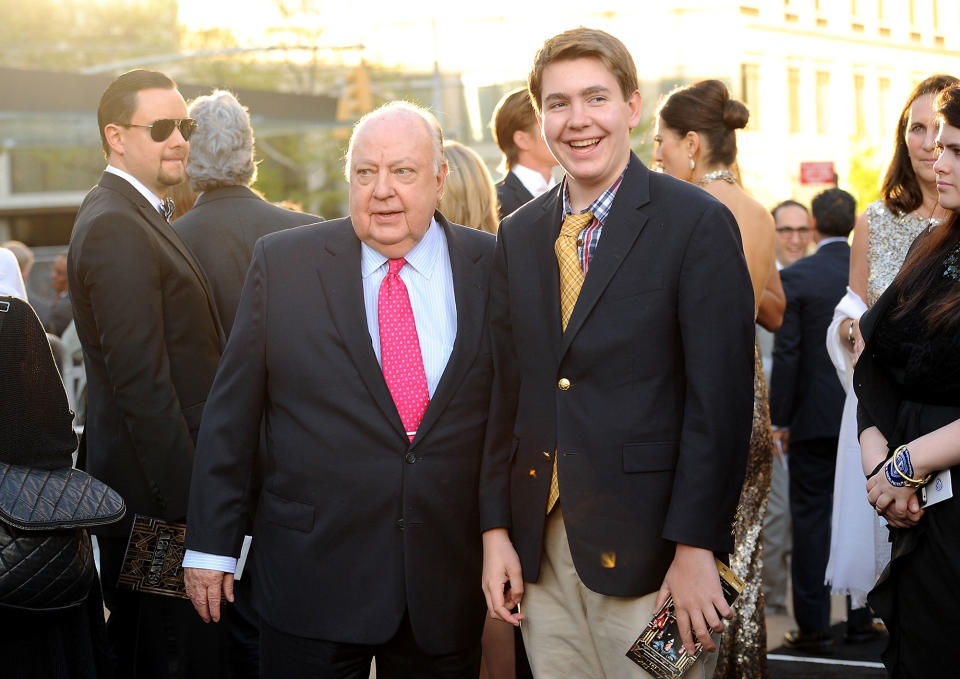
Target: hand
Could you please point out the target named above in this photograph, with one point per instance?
(781, 441)
(899, 506)
(501, 566)
(693, 581)
(204, 588)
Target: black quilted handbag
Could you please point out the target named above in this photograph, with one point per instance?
(46, 559)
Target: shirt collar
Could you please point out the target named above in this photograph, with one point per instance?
(601, 206)
(422, 258)
(151, 197)
(532, 180)
(832, 239)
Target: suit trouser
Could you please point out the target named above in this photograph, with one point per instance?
(812, 465)
(776, 538)
(157, 636)
(571, 631)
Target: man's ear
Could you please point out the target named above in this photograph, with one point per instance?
(521, 140)
(114, 136)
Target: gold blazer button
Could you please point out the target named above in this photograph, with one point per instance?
(564, 384)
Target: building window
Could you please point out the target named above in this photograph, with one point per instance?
(823, 101)
(912, 11)
(936, 14)
(880, 16)
(883, 105)
(793, 100)
(858, 106)
(750, 91)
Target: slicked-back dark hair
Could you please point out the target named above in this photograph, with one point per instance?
(900, 189)
(789, 202)
(119, 100)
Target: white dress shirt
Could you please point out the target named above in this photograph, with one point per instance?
(429, 280)
(532, 180)
(151, 197)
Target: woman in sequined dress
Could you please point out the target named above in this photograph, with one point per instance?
(908, 381)
(883, 233)
(696, 141)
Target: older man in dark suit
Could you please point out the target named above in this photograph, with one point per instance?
(362, 342)
(228, 216)
(151, 342)
(806, 404)
(621, 317)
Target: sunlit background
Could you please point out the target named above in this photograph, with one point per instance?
(824, 80)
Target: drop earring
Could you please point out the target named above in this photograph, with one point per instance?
(693, 164)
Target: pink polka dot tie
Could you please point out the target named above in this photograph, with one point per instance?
(400, 350)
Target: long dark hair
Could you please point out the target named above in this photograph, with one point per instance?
(924, 264)
(900, 189)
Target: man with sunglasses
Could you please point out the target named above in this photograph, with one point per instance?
(151, 343)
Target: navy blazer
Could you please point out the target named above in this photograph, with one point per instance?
(356, 524)
(647, 396)
(511, 194)
(221, 230)
(805, 394)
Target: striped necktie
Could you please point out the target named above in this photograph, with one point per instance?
(571, 280)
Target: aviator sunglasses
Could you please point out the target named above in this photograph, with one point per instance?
(161, 129)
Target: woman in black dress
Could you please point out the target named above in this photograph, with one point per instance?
(908, 382)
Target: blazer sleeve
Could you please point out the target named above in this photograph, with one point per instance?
(120, 271)
(715, 313)
(785, 372)
(230, 431)
(499, 441)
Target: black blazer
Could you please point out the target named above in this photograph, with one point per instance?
(654, 426)
(355, 523)
(221, 230)
(805, 394)
(511, 194)
(151, 342)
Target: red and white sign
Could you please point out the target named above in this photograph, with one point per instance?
(817, 173)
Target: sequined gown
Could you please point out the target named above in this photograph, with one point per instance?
(743, 652)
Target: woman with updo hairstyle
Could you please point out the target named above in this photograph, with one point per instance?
(695, 140)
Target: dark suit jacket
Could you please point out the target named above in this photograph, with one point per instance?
(221, 230)
(511, 194)
(805, 394)
(654, 427)
(355, 523)
(59, 315)
(151, 343)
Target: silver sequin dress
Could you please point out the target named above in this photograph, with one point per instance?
(889, 237)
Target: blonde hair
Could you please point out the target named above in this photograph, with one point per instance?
(469, 197)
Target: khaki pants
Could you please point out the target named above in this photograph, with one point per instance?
(572, 632)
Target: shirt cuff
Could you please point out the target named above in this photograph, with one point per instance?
(213, 562)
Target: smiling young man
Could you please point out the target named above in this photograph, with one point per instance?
(151, 342)
(621, 315)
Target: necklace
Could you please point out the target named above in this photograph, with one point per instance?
(722, 175)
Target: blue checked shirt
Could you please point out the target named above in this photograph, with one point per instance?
(590, 236)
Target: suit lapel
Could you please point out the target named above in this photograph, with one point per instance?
(163, 228)
(545, 230)
(342, 283)
(620, 231)
(470, 292)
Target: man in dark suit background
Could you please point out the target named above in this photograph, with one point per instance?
(525, 154)
(228, 216)
(366, 541)
(635, 392)
(151, 342)
(806, 405)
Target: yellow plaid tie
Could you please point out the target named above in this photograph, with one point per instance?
(571, 280)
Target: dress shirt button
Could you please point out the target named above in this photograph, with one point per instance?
(546, 455)
(564, 384)
(411, 458)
